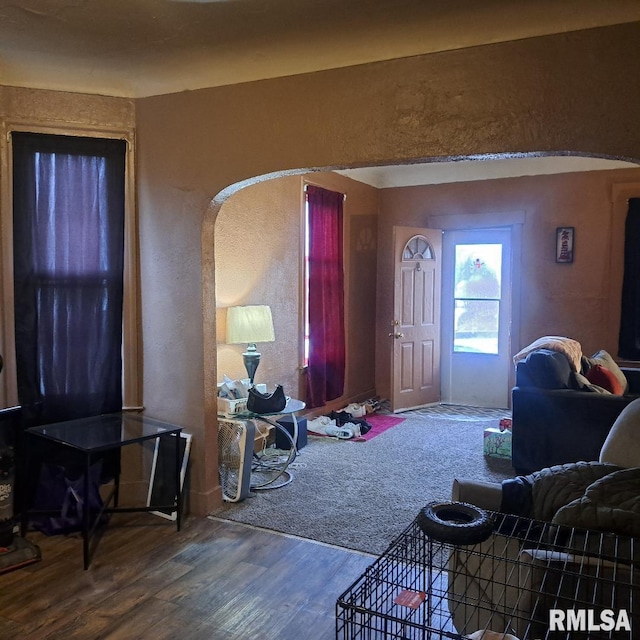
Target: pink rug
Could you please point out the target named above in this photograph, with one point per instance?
(379, 424)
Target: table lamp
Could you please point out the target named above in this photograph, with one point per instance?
(250, 324)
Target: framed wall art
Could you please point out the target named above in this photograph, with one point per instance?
(564, 244)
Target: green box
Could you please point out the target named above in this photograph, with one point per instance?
(497, 444)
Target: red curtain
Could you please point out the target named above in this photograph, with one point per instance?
(326, 367)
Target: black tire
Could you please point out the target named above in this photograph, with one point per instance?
(455, 522)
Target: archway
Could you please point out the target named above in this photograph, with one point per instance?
(529, 96)
(502, 199)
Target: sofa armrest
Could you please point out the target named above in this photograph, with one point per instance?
(558, 426)
(486, 495)
(633, 378)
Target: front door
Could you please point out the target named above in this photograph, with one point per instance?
(476, 318)
(414, 330)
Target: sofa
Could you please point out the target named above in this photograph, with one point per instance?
(541, 494)
(580, 553)
(563, 405)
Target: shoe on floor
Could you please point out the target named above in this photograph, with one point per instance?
(356, 410)
(353, 427)
(340, 417)
(320, 424)
(342, 433)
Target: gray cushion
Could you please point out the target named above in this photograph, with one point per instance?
(603, 358)
(549, 369)
(580, 383)
(622, 446)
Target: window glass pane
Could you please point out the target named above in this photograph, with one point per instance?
(476, 326)
(478, 271)
(418, 248)
(305, 355)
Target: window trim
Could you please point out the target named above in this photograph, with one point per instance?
(131, 381)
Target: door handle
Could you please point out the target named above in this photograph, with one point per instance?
(396, 335)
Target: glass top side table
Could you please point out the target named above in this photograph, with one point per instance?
(98, 434)
(104, 432)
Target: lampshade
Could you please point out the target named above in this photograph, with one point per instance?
(249, 324)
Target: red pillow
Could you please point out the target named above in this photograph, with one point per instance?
(604, 378)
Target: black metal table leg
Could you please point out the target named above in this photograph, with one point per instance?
(85, 512)
(24, 515)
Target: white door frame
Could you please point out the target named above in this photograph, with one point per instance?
(515, 220)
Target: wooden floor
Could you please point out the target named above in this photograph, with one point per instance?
(213, 580)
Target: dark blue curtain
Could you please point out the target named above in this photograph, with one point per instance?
(68, 231)
(629, 342)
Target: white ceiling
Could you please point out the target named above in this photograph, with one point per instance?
(138, 48)
(469, 170)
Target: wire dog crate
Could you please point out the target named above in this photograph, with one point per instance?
(529, 580)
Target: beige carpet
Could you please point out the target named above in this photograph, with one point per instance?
(361, 495)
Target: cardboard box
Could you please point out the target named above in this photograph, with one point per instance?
(230, 408)
(264, 436)
(497, 444)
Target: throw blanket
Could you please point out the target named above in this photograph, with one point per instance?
(570, 348)
(584, 495)
(611, 503)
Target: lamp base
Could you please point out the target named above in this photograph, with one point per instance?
(251, 359)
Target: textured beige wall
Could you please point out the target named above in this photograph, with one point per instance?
(258, 245)
(580, 300)
(257, 249)
(572, 92)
